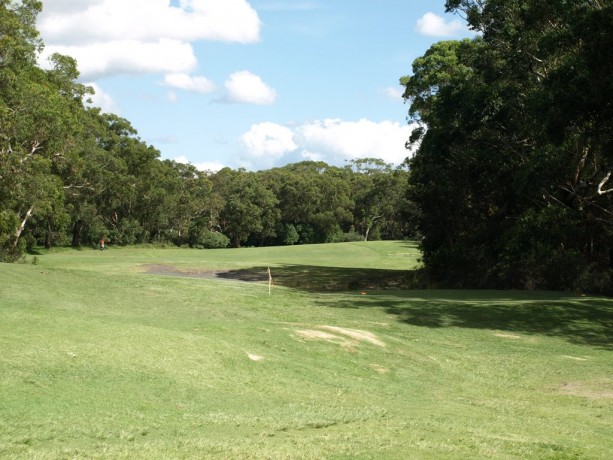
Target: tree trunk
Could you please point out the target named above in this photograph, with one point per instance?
(76, 233)
(366, 232)
(19, 230)
(48, 237)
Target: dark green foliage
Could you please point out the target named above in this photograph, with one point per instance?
(512, 173)
(203, 238)
(9, 221)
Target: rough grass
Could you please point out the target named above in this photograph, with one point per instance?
(99, 359)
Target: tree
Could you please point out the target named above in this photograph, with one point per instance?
(249, 212)
(511, 174)
(39, 118)
(378, 190)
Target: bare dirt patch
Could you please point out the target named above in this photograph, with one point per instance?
(171, 270)
(347, 338)
(255, 358)
(360, 336)
(237, 275)
(311, 334)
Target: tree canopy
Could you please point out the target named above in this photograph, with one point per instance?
(514, 165)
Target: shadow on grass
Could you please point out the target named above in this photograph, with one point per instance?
(580, 320)
(324, 279)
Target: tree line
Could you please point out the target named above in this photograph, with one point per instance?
(73, 175)
(513, 174)
(511, 185)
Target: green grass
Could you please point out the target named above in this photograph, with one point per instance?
(99, 359)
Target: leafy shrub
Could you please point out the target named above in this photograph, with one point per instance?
(203, 238)
(289, 235)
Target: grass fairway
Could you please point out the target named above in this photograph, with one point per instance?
(168, 353)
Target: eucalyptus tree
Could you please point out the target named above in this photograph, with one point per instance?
(379, 195)
(39, 121)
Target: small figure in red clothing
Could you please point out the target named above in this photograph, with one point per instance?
(102, 246)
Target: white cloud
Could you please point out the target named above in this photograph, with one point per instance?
(128, 57)
(102, 100)
(111, 20)
(117, 36)
(209, 166)
(268, 140)
(331, 140)
(204, 166)
(245, 87)
(64, 6)
(188, 83)
(348, 140)
(435, 26)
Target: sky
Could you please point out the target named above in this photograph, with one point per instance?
(252, 84)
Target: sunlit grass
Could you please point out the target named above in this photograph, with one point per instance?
(100, 360)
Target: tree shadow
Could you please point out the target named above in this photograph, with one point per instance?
(324, 279)
(580, 320)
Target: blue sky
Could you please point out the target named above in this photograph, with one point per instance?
(252, 83)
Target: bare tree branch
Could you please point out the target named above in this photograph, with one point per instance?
(602, 183)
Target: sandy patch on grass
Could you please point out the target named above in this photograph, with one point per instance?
(360, 336)
(318, 335)
(347, 338)
(601, 389)
(255, 358)
(507, 336)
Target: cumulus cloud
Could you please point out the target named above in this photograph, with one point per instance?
(110, 20)
(434, 25)
(247, 88)
(268, 140)
(102, 100)
(331, 140)
(129, 57)
(116, 36)
(189, 83)
(351, 140)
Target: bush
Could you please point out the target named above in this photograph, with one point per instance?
(203, 238)
(343, 237)
(289, 235)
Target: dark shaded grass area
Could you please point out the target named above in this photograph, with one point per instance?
(580, 320)
(584, 321)
(325, 279)
(303, 277)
